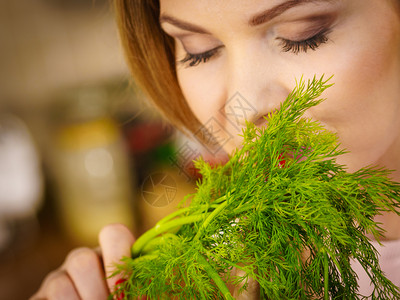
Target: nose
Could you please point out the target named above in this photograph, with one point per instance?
(254, 87)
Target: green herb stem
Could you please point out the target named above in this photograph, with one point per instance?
(216, 278)
(326, 276)
(173, 215)
(184, 210)
(152, 244)
(209, 219)
(155, 231)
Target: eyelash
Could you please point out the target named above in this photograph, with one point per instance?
(195, 59)
(302, 46)
(287, 46)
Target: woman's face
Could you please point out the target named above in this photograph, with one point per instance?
(239, 60)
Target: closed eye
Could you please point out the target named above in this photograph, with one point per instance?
(312, 43)
(302, 46)
(195, 59)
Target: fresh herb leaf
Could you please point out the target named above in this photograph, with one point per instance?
(280, 195)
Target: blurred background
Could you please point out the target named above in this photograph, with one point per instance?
(79, 148)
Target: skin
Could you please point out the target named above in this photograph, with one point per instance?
(362, 51)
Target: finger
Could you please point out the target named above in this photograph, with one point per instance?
(115, 242)
(57, 286)
(252, 291)
(84, 267)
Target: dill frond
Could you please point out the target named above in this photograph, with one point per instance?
(256, 215)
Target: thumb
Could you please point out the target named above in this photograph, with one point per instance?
(115, 242)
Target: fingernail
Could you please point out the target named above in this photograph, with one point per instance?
(120, 295)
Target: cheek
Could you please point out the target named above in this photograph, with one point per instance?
(363, 81)
(364, 104)
(363, 56)
(202, 90)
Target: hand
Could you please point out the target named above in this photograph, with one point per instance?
(251, 293)
(84, 271)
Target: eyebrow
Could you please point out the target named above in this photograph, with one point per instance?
(182, 24)
(256, 20)
(274, 12)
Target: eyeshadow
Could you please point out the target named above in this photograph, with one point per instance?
(305, 28)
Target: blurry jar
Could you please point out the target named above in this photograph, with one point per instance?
(91, 166)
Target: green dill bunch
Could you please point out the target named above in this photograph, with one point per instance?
(280, 196)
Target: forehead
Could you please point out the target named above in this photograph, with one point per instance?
(251, 12)
(204, 8)
(232, 6)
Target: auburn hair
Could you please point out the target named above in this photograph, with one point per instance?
(150, 55)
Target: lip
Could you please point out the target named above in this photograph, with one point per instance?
(262, 121)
